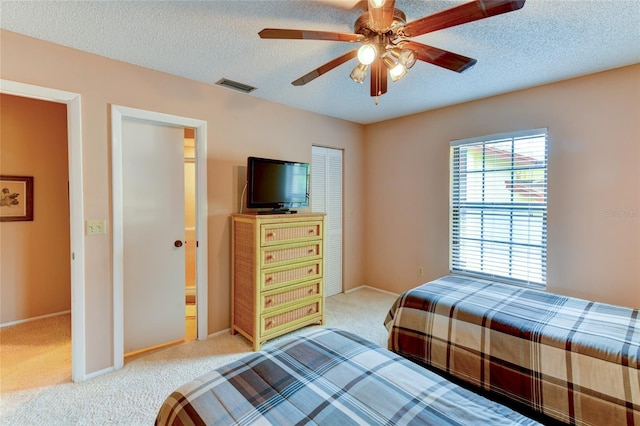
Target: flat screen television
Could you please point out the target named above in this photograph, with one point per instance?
(277, 184)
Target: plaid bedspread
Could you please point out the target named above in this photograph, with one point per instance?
(328, 377)
(571, 359)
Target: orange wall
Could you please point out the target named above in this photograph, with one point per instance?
(35, 272)
(275, 131)
(593, 185)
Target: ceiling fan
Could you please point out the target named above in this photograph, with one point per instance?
(387, 48)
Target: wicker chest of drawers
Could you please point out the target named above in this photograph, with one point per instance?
(277, 274)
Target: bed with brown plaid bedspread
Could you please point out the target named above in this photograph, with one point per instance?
(328, 377)
(573, 360)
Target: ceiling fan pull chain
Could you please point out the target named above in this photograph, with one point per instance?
(376, 100)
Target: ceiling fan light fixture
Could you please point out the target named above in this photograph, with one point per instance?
(406, 57)
(389, 62)
(359, 73)
(396, 69)
(376, 3)
(397, 72)
(367, 54)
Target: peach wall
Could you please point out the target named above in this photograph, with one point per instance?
(594, 184)
(399, 167)
(35, 271)
(275, 131)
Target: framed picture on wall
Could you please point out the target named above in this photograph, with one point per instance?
(16, 198)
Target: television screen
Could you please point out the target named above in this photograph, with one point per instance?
(277, 184)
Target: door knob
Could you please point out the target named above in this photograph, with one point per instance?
(178, 243)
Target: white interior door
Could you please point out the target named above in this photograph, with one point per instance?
(153, 234)
(326, 197)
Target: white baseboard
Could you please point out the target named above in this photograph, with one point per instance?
(218, 333)
(7, 324)
(97, 373)
(371, 288)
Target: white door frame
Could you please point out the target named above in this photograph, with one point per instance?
(76, 203)
(118, 113)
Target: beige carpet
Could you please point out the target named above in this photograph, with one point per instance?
(132, 395)
(42, 348)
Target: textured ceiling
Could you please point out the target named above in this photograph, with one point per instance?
(545, 41)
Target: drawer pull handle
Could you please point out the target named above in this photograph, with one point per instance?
(311, 291)
(312, 251)
(312, 231)
(271, 234)
(267, 279)
(310, 271)
(268, 324)
(268, 302)
(269, 257)
(310, 310)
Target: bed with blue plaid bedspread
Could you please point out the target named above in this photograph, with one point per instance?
(328, 377)
(573, 360)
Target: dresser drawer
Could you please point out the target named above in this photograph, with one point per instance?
(272, 278)
(290, 253)
(280, 233)
(277, 299)
(273, 323)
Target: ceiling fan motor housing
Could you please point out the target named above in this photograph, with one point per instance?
(363, 25)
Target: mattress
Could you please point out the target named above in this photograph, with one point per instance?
(571, 359)
(328, 377)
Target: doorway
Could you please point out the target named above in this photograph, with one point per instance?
(191, 241)
(35, 261)
(156, 121)
(76, 216)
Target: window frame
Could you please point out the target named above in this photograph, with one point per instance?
(537, 208)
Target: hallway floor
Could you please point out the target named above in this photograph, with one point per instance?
(38, 353)
(35, 353)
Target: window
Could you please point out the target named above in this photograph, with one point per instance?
(499, 207)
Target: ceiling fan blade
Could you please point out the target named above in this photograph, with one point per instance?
(381, 17)
(468, 12)
(325, 68)
(378, 77)
(442, 58)
(308, 35)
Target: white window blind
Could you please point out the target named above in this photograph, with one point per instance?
(499, 207)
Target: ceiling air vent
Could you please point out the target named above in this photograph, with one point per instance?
(230, 84)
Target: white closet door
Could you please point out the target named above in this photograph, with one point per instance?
(326, 197)
(318, 179)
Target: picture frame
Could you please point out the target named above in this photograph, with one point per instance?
(16, 198)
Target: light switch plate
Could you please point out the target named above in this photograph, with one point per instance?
(96, 227)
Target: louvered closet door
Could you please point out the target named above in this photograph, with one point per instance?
(326, 197)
